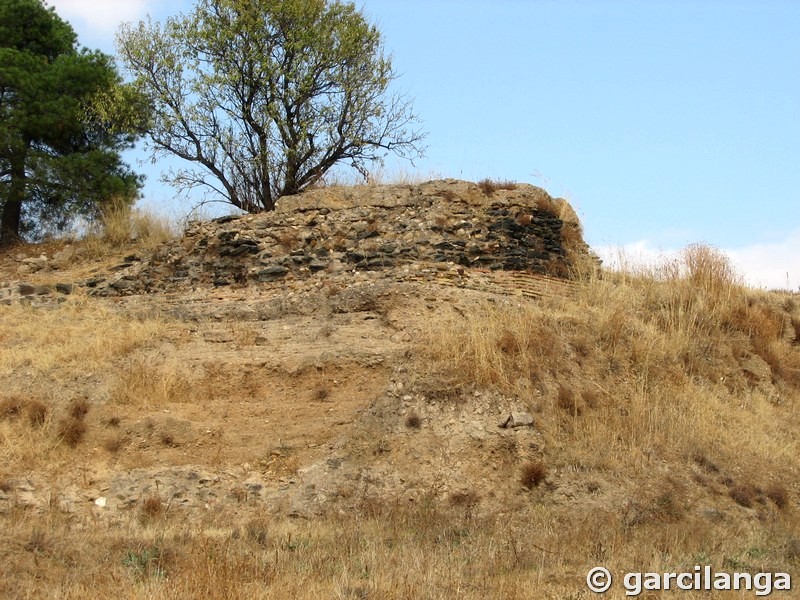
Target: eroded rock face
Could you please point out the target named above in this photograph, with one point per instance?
(365, 228)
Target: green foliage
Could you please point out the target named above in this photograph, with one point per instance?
(262, 97)
(146, 563)
(58, 157)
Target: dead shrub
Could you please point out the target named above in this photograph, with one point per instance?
(10, 408)
(168, 440)
(152, 508)
(743, 494)
(287, 238)
(114, 443)
(322, 392)
(568, 401)
(778, 494)
(258, 531)
(71, 431)
(465, 498)
(796, 330)
(37, 413)
(413, 420)
(489, 186)
(509, 344)
(709, 270)
(533, 474)
(78, 408)
(571, 237)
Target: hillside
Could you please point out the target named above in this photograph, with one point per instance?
(425, 391)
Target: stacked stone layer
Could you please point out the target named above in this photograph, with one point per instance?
(333, 230)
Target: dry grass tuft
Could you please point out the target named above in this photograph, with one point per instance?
(71, 431)
(114, 443)
(11, 408)
(743, 494)
(489, 186)
(120, 225)
(66, 342)
(151, 509)
(322, 392)
(145, 382)
(258, 531)
(550, 206)
(464, 498)
(533, 474)
(168, 440)
(78, 408)
(778, 494)
(413, 420)
(37, 413)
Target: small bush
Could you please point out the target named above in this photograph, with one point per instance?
(533, 473)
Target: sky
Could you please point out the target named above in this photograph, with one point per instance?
(663, 122)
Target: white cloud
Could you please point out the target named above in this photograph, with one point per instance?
(102, 17)
(774, 265)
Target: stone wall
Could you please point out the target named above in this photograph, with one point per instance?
(366, 228)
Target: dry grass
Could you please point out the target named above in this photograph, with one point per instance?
(151, 509)
(661, 353)
(145, 382)
(533, 473)
(64, 342)
(51, 361)
(418, 552)
(121, 225)
(490, 186)
(413, 420)
(644, 414)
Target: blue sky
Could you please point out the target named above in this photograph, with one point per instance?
(664, 123)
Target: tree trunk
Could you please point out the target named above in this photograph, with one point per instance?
(12, 209)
